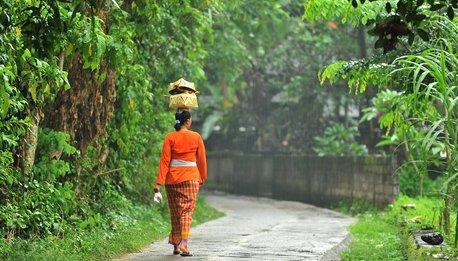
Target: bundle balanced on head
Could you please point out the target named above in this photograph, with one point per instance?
(183, 165)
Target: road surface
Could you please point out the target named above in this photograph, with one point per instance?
(260, 229)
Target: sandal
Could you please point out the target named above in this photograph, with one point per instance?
(175, 251)
(185, 254)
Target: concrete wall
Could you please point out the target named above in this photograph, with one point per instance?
(310, 179)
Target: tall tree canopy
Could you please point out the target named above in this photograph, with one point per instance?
(262, 83)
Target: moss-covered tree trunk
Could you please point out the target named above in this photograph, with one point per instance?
(29, 143)
(84, 110)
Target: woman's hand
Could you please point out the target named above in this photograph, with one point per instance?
(157, 188)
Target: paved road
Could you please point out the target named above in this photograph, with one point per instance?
(260, 229)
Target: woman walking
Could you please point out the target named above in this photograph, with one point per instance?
(183, 168)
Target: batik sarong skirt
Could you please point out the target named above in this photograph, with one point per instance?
(182, 201)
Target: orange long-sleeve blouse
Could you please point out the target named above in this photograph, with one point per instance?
(183, 145)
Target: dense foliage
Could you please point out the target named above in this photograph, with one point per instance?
(81, 97)
(418, 108)
(261, 93)
(339, 140)
(83, 117)
(389, 20)
(82, 113)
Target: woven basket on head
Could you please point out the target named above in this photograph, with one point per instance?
(183, 101)
(183, 94)
(181, 86)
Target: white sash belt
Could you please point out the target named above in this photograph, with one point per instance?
(182, 163)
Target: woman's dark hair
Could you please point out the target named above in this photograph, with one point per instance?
(180, 118)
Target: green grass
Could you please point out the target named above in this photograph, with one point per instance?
(425, 215)
(134, 230)
(375, 237)
(383, 235)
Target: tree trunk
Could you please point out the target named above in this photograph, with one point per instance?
(362, 42)
(29, 143)
(85, 109)
(368, 137)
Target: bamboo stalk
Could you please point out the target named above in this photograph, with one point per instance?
(448, 195)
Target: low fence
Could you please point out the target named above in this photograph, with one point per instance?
(310, 179)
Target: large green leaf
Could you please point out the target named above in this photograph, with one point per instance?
(4, 102)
